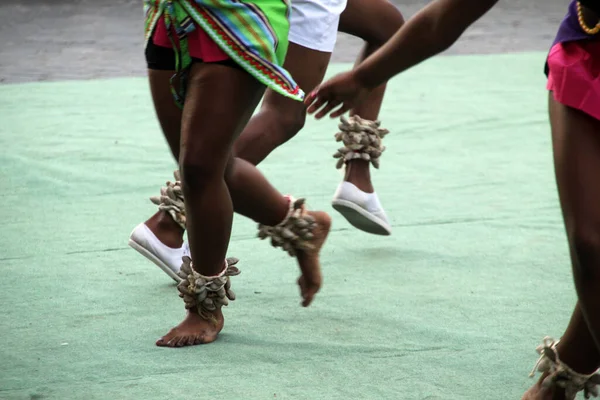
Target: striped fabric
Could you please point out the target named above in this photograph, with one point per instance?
(253, 33)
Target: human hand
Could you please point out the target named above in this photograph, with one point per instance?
(343, 89)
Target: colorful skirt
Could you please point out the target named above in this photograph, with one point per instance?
(574, 75)
(200, 45)
(252, 34)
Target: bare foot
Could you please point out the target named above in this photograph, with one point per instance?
(166, 229)
(537, 392)
(193, 330)
(310, 281)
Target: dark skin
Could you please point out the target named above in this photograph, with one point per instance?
(375, 22)
(280, 118)
(429, 32)
(219, 101)
(576, 148)
(576, 143)
(278, 121)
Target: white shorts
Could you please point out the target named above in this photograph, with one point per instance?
(314, 23)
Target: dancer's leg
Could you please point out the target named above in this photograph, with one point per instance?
(219, 101)
(211, 120)
(208, 130)
(279, 118)
(374, 21)
(576, 145)
(160, 238)
(169, 117)
(255, 198)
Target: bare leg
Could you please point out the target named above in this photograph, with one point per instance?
(279, 118)
(576, 141)
(278, 121)
(576, 144)
(577, 348)
(169, 117)
(219, 101)
(208, 131)
(374, 21)
(258, 200)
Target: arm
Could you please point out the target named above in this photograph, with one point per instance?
(429, 32)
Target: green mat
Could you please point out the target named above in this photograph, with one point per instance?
(451, 306)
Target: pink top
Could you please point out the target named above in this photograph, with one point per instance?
(574, 75)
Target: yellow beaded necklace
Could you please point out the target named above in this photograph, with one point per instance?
(586, 29)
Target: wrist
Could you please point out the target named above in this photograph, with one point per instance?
(365, 78)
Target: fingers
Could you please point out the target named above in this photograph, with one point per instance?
(326, 99)
(341, 111)
(314, 101)
(329, 106)
(320, 103)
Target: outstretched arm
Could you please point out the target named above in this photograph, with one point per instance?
(429, 32)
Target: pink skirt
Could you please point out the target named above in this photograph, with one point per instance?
(574, 75)
(200, 45)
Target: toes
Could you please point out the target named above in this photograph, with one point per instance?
(307, 297)
(189, 333)
(179, 341)
(307, 291)
(167, 341)
(183, 341)
(190, 340)
(198, 339)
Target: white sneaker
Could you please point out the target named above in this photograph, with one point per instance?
(145, 242)
(363, 210)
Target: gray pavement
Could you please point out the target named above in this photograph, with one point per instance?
(83, 39)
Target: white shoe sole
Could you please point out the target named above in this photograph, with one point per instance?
(143, 251)
(360, 218)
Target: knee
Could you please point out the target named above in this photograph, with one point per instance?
(386, 27)
(278, 125)
(289, 122)
(232, 174)
(277, 122)
(585, 241)
(199, 169)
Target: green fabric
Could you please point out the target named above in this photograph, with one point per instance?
(253, 34)
(451, 306)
